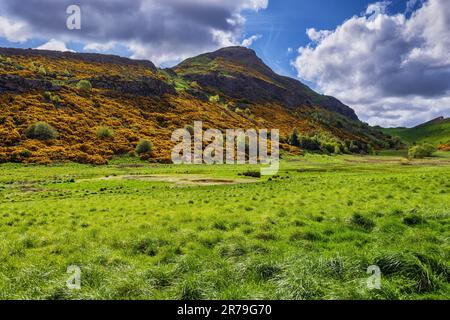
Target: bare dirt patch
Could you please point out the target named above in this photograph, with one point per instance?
(130, 165)
(187, 180)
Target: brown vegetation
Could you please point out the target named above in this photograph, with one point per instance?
(53, 97)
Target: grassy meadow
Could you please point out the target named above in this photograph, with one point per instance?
(149, 231)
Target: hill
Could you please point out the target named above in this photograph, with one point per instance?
(229, 88)
(237, 72)
(436, 132)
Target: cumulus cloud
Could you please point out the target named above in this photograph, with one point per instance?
(162, 31)
(393, 69)
(377, 8)
(13, 31)
(317, 36)
(54, 45)
(249, 41)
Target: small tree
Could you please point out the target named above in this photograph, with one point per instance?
(144, 146)
(41, 131)
(309, 143)
(328, 147)
(84, 85)
(421, 151)
(105, 132)
(338, 149)
(293, 138)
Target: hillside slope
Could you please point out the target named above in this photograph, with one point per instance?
(238, 73)
(139, 101)
(436, 132)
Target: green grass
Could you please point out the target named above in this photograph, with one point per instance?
(434, 133)
(308, 233)
(181, 85)
(394, 153)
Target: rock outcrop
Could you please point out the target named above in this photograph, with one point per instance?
(143, 87)
(17, 84)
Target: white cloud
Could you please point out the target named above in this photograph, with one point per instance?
(224, 38)
(411, 5)
(161, 31)
(317, 36)
(249, 41)
(255, 5)
(54, 45)
(99, 47)
(13, 31)
(165, 55)
(378, 8)
(392, 69)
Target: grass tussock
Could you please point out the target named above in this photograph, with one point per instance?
(360, 221)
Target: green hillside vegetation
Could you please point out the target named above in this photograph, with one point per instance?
(436, 132)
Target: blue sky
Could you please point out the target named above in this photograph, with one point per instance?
(387, 59)
(284, 23)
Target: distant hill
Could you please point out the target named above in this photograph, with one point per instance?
(229, 88)
(436, 132)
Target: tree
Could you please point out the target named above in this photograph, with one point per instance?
(328, 147)
(309, 143)
(338, 149)
(421, 151)
(293, 139)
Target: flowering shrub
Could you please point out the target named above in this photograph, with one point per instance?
(41, 131)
